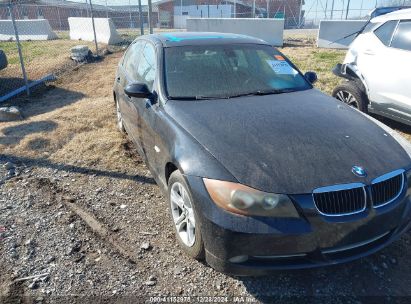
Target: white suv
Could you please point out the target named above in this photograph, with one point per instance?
(378, 68)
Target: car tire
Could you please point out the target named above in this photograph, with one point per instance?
(352, 94)
(120, 123)
(184, 216)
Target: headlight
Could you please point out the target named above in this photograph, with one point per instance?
(244, 200)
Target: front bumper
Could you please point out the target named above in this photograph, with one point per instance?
(312, 240)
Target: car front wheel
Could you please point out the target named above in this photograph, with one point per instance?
(350, 93)
(184, 217)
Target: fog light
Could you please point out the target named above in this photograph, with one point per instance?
(239, 259)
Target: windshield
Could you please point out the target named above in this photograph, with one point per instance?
(224, 71)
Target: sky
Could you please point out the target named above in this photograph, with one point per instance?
(358, 8)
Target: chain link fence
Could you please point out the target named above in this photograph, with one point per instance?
(37, 35)
(35, 40)
(317, 10)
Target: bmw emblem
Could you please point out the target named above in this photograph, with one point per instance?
(359, 171)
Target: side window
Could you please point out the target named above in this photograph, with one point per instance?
(384, 32)
(402, 37)
(131, 59)
(147, 67)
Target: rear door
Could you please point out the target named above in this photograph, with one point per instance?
(374, 61)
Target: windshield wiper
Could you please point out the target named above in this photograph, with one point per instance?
(264, 92)
(198, 97)
(255, 93)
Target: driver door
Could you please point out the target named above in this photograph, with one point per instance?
(146, 109)
(129, 75)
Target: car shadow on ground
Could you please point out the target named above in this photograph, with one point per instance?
(45, 163)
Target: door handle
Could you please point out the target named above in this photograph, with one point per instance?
(369, 52)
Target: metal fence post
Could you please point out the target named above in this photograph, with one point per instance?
(235, 8)
(348, 9)
(106, 10)
(23, 70)
(94, 27)
(332, 10)
(129, 14)
(150, 17)
(140, 15)
(58, 14)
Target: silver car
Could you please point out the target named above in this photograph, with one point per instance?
(377, 67)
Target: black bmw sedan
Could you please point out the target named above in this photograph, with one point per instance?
(261, 170)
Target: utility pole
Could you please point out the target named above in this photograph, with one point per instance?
(332, 10)
(253, 14)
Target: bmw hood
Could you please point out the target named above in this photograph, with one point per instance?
(290, 143)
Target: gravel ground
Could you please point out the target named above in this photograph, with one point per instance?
(80, 212)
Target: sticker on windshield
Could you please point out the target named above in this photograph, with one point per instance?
(279, 57)
(281, 67)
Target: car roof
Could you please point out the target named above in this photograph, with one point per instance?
(170, 39)
(397, 15)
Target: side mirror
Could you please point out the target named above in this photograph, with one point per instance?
(138, 89)
(311, 77)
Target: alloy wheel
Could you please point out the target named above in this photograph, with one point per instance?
(347, 98)
(183, 214)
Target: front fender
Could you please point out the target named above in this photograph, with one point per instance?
(183, 151)
(350, 71)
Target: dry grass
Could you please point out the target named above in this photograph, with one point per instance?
(73, 123)
(308, 58)
(40, 57)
